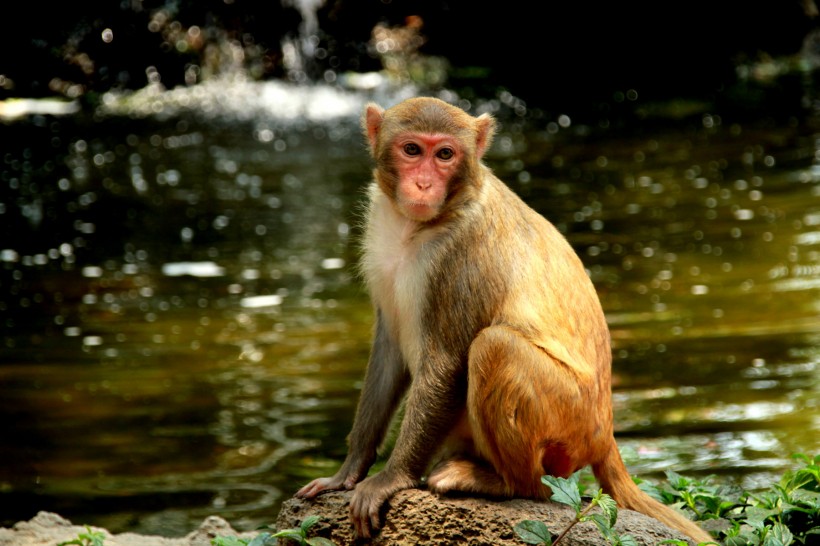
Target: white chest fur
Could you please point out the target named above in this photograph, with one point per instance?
(395, 265)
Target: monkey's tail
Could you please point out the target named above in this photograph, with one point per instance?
(615, 480)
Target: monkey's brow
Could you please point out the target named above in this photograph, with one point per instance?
(427, 137)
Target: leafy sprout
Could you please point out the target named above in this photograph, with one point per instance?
(299, 535)
(568, 491)
(89, 538)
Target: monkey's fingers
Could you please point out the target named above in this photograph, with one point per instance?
(375, 523)
(361, 527)
(317, 486)
(364, 514)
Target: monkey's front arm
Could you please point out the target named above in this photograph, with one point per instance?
(433, 400)
(385, 381)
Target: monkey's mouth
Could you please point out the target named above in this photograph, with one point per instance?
(420, 211)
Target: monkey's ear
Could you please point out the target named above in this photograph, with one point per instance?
(485, 131)
(372, 124)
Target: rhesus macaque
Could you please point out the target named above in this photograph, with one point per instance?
(485, 321)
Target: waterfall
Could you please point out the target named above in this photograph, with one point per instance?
(300, 52)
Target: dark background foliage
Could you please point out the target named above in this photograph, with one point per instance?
(549, 53)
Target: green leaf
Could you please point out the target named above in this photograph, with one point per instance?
(564, 490)
(676, 480)
(737, 540)
(309, 522)
(94, 538)
(602, 522)
(651, 490)
(533, 532)
(779, 535)
(609, 507)
(756, 516)
(320, 541)
(229, 541)
(291, 534)
(723, 508)
(808, 496)
(629, 540)
(89, 538)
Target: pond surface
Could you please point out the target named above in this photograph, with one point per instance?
(184, 333)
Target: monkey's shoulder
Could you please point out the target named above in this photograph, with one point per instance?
(510, 221)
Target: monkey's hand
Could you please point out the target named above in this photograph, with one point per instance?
(334, 483)
(370, 496)
(352, 471)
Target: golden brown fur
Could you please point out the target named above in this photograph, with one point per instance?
(485, 319)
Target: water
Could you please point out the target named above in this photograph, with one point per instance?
(184, 333)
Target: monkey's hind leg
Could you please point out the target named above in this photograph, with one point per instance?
(526, 416)
(466, 475)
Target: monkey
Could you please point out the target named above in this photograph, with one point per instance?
(487, 329)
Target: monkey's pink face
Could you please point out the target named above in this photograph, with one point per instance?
(426, 163)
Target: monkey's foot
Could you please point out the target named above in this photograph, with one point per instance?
(466, 476)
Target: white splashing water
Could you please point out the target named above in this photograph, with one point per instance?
(238, 99)
(234, 97)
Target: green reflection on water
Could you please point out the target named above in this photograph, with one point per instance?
(185, 334)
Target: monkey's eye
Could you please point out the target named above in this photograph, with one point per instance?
(445, 153)
(412, 149)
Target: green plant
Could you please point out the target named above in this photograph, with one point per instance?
(703, 498)
(787, 513)
(568, 491)
(89, 538)
(296, 534)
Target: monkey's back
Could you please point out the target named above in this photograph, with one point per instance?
(547, 291)
(508, 266)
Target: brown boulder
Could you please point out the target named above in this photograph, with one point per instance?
(420, 518)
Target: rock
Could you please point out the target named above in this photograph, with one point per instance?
(413, 517)
(47, 529)
(420, 518)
